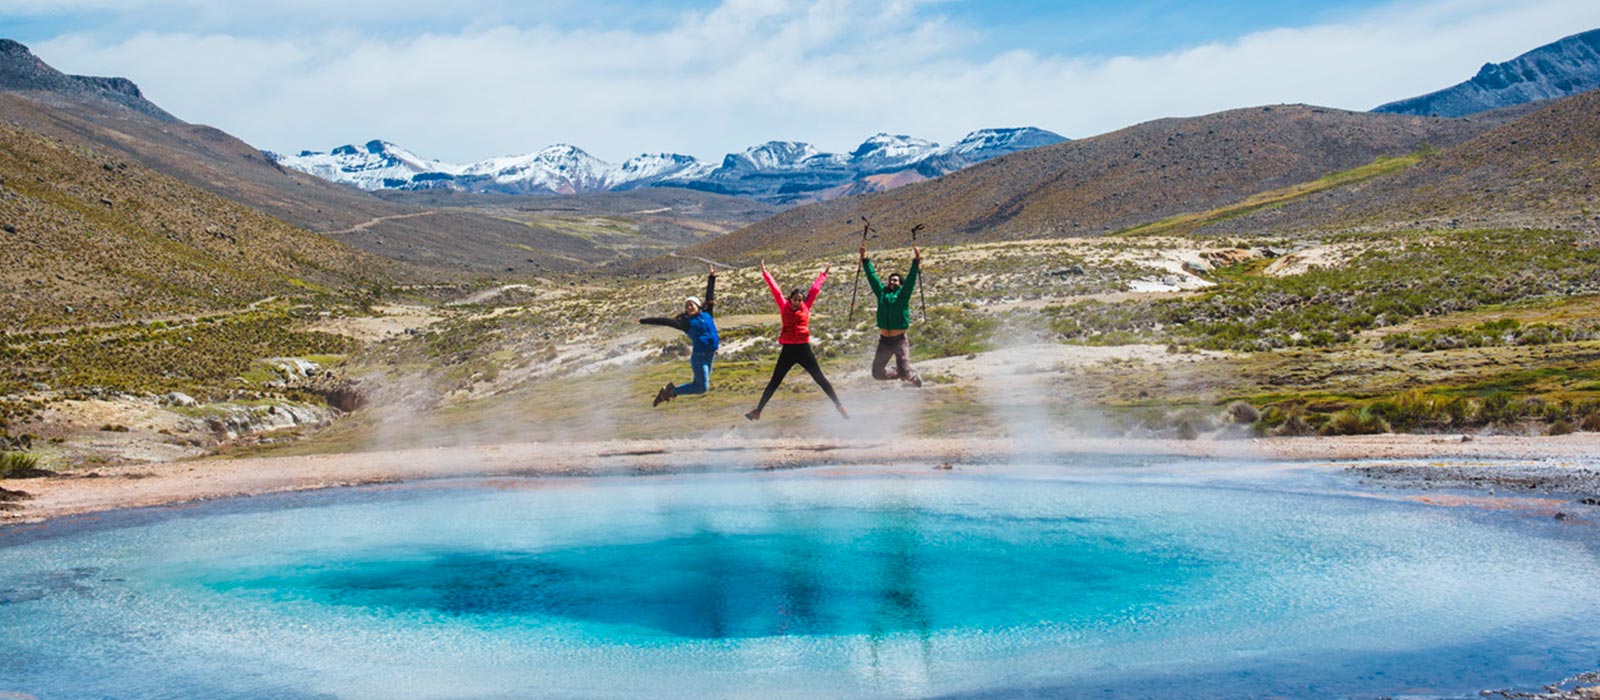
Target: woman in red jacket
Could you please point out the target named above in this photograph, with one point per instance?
(795, 340)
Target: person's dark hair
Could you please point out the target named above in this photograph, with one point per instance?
(796, 292)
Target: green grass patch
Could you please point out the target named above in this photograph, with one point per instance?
(1184, 224)
(1401, 277)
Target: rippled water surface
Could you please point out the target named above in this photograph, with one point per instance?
(805, 584)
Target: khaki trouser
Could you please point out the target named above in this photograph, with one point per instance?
(897, 347)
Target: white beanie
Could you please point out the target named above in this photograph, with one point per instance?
(692, 300)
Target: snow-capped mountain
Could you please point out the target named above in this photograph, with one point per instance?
(777, 171)
(984, 144)
(559, 169)
(649, 168)
(772, 155)
(374, 165)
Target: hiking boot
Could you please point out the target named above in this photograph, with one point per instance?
(672, 391)
(753, 415)
(916, 381)
(661, 395)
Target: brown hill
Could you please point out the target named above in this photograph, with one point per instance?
(1104, 184)
(1540, 170)
(89, 237)
(111, 115)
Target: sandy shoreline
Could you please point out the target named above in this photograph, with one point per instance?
(179, 482)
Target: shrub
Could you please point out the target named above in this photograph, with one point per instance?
(1415, 409)
(1243, 413)
(1498, 408)
(1187, 431)
(1590, 423)
(1353, 421)
(1562, 426)
(20, 465)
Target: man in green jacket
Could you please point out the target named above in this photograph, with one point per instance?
(894, 317)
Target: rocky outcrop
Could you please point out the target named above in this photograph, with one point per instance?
(234, 421)
(21, 70)
(1566, 67)
(339, 392)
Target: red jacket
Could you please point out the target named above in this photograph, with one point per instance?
(795, 318)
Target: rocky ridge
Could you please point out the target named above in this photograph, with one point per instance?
(1559, 69)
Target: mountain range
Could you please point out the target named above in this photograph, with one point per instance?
(1104, 184)
(993, 185)
(1558, 69)
(448, 235)
(785, 172)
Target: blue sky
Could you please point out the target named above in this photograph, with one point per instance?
(1133, 27)
(462, 80)
(1136, 27)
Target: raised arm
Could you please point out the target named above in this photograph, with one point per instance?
(816, 287)
(873, 283)
(777, 295)
(711, 292)
(910, 282)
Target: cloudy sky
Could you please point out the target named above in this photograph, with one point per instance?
(462, 80)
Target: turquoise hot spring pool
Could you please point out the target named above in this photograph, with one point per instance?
(840, 583)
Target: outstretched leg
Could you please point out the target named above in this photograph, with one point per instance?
(809, 362)
(786, 359)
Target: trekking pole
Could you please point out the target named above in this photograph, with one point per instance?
(855, 286)
(922, 288)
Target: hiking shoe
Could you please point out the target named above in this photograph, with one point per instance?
(753, 415)
(916, 381)
(843, 412)
(661, 395)
(671, 391)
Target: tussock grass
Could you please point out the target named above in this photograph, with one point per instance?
(21, 465)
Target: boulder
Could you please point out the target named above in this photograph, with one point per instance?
(180, 399)
(1195, 263)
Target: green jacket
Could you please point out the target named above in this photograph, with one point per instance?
(894, 308)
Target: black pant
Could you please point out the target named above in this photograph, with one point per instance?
(790, 356)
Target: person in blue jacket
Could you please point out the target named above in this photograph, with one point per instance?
(697, 322)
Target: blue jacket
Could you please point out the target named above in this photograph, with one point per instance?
(701, 327)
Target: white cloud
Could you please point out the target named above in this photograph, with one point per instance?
(830, 72)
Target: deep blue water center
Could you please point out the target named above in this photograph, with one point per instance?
(840, 572)
(1055, 581)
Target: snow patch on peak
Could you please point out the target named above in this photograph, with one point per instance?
(987, 143)
(884, 151)
(646, 168)
(884, 143)
(772, 155)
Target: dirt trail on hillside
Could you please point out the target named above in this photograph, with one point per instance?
(369, 223)
(180, 482)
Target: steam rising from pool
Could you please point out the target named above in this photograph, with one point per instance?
(807, 584)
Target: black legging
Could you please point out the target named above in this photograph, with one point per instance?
(790, 356)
